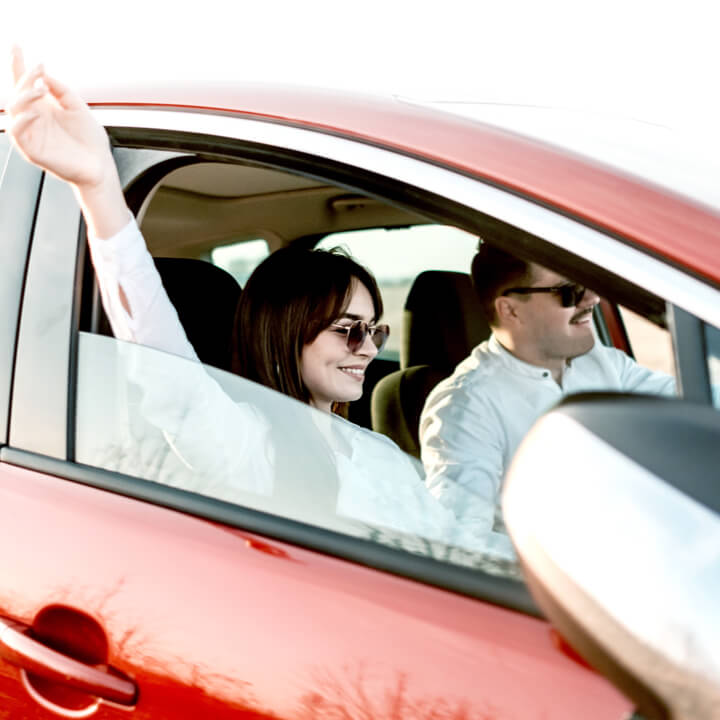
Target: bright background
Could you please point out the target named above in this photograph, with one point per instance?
(645, 59)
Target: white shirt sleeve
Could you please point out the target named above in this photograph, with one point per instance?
(217, 439)
(123, 262)
(223, 444)
(638, 379)
(463, 451)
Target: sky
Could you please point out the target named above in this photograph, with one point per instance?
(645, 59)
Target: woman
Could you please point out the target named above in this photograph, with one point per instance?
(306, 328)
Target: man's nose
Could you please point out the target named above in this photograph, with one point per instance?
(590, 299)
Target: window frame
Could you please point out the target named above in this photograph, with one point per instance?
(20, 185)
(43, 382)
(440, 194)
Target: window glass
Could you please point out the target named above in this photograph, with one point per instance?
(650, 343)
(397, 256)
(173, 421)
(241, 258)
(712, 346)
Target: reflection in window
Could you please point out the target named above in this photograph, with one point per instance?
(173, 421)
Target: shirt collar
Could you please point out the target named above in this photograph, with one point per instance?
(515, 364)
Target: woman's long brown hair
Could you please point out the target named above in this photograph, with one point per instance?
(290, 298)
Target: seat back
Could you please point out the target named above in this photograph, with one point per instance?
(442, 323)
(206, 298)
(397, 401)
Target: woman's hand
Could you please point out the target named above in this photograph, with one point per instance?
(54, 129)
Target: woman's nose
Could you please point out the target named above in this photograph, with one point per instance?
(367, 348)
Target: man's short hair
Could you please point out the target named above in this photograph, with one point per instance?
(493, 272)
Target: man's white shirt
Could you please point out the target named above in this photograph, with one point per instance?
(474, 421)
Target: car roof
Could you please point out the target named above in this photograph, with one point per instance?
(679, 228)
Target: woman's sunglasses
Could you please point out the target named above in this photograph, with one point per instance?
(359, 330)
(570, 294)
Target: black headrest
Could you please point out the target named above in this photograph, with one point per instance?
(442, 321)
(205, 297)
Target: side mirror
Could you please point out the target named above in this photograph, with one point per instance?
(613, 504)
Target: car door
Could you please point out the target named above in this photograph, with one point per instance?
(123, 592)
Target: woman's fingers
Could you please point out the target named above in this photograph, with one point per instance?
(36, 79)
(17, 64)
(24, 100)
(22, 78)
(20, 123)
(29, 78)
(66, 97)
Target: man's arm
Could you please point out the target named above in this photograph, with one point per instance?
(463, 445)
(636, 378)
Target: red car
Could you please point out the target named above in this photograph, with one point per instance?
(123, 589)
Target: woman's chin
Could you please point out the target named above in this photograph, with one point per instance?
(350, 395)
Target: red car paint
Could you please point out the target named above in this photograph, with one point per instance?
(673, 226)
(236, 631)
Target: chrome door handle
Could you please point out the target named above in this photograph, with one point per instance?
(32, 656)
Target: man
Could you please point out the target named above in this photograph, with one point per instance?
(542, 347)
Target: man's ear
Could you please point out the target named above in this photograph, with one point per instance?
(505, 309)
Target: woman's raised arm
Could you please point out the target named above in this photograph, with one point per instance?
(54, 129)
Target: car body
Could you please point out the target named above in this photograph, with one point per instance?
(191, 606)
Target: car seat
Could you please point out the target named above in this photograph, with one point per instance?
(206, 298)
(442, 323)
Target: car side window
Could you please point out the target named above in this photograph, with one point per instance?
(650, 343)
(184, 425)
(712, 347)
(397, 256)
(240, 258)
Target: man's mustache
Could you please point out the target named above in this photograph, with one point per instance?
(579, 315)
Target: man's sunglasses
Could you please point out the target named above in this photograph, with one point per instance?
(359, 330)
(570, 294)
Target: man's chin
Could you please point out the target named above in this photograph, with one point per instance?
(582, 347)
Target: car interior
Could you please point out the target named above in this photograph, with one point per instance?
(191, 210)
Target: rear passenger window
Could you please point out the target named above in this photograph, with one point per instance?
(241, 258)
(205, 435)
(397, 256)
(184, 425)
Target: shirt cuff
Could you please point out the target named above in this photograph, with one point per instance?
(114, 260)
(122, 251)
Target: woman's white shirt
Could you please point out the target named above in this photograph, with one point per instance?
(228, 445)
